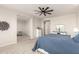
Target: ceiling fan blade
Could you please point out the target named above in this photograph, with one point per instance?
(37, 11)
(46, 8)
(40, 13)
(49, 13)
(40, 8)
(49, 10)
(44, 14)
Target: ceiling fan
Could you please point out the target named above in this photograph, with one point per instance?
(44, 11)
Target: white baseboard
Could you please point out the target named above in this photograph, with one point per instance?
(6, 44)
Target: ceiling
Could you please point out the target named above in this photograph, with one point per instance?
(59, 9)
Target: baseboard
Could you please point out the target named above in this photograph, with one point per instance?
(6, 44)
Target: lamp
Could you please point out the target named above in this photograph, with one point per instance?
(76, 30)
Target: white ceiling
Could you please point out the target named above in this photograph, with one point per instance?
(59, 9)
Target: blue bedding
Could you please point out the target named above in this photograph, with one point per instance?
(57, 44)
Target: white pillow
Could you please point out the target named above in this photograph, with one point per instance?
(75, 34)
(42, 51)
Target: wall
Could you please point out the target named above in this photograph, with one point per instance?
(9, 36)
(28, 25)
(21, 26)
(77, 21)
(36, 23)
(31, 26)
(69, 21)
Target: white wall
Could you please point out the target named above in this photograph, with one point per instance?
(77, 21)
(31, 26)
(69, 21)
(28, 25)
(21, 26)
(9, 36)
(36, 23)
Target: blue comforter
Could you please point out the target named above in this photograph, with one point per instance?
(57, 44)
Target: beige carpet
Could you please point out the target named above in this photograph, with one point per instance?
(23, 46)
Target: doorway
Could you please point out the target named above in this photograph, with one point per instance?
(46, 27)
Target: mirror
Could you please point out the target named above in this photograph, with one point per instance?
(60, 28)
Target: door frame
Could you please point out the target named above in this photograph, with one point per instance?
(44, 23)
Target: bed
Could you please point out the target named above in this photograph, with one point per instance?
(57, 44)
